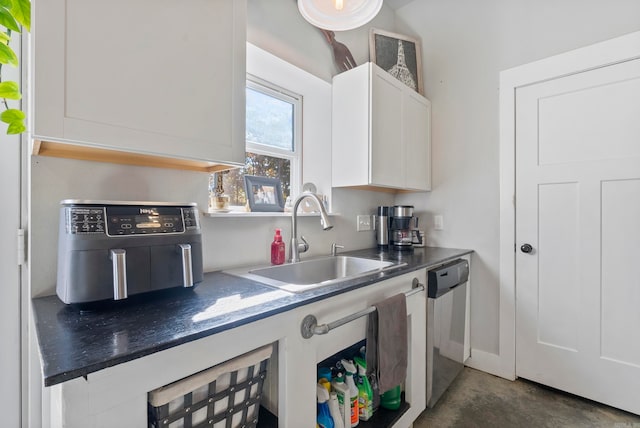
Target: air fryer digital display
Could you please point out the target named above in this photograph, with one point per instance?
(141, 220)
(120, 220)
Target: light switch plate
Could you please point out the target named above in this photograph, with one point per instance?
(364, 223)
(438, 222)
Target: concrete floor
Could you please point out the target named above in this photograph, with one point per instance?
(477, 399)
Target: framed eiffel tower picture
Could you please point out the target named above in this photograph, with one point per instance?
(398, 55)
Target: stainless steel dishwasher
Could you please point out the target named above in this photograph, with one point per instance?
(446, 321)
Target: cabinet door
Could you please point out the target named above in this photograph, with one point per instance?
(416, 129)
(350, 128)
(149, 76)
(386, 166)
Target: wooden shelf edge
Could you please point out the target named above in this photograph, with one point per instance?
(95, 154)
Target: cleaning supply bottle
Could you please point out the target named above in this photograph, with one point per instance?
(323, 418)
(365, 392)
(344, 398)
(392, 398)
(277, 249)
(372, 378)
(353, 391)
(334, 410)
(324, 377)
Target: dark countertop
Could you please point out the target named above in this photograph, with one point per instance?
(74, 343)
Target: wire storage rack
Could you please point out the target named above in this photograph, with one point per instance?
(224, 396)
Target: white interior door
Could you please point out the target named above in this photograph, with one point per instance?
(578, 207)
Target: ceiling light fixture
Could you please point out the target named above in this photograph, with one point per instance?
(339, 15)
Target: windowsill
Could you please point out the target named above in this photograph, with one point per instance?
(260, 214)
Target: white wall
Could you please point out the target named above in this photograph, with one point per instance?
(465, 44)
(278, 27)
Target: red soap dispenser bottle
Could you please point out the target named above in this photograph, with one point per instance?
(277, 249)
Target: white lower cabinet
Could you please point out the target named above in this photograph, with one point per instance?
(318, 348)
(117, 396)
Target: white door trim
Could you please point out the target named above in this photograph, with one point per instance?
(602, 54)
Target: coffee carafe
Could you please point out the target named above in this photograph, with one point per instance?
(400, 234)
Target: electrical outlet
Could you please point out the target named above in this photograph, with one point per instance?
(438, 222)
(364, 223)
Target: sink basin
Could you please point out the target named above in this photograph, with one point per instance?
(314, 273)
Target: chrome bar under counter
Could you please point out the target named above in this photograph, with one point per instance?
(310, 327)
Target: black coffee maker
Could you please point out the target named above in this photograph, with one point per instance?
(400, 231)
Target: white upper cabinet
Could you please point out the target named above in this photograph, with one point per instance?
(158, 77)
(381, 132)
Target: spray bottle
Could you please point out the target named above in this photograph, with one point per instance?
(344, 398)
(365, 392)
(334, 410)
(323, 417)
(353, 391)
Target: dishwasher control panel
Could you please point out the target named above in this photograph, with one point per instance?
(445, 277)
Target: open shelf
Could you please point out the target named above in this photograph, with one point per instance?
(382, 418)
(99, 154)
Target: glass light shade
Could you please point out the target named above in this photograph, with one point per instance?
(327, 15)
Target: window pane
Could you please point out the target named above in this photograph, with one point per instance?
(269, 120)
(262, 166)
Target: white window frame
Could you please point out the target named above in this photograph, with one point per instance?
(294, 156)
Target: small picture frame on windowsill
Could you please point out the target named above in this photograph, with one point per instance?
(264, 194)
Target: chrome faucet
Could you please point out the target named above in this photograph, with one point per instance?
(300, 247)
(334, 249)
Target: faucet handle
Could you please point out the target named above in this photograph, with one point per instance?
(303, 246)
(334, 248)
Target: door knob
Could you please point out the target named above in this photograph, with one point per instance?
(526, 248)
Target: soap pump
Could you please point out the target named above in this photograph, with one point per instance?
(277, 249)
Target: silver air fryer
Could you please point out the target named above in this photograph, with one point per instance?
(108, 250)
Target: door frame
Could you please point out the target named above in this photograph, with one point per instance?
(617, 50)
(15, 293)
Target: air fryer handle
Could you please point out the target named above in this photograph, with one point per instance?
(187, 265)
(119, 263)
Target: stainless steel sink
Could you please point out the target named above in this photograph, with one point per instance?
(314, 273)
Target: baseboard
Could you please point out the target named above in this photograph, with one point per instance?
(489, 363)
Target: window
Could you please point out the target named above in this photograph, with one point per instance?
(273, 140)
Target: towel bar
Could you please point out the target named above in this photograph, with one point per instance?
(310, 327)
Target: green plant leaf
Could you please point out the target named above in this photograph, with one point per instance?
(21, 11)
(12, 115)
(16, 127)
(5, 3)
(7, 55)
(10, 90)
(7, 20)
(4, 37)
